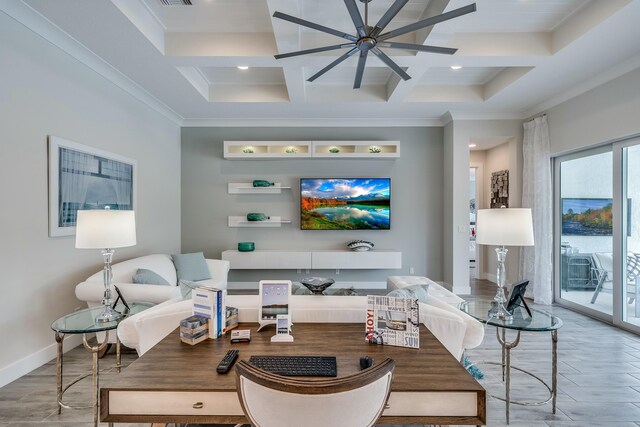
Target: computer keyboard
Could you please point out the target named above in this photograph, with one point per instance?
(297, 366)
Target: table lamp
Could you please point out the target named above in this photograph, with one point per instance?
(503, 227)
(106, 230)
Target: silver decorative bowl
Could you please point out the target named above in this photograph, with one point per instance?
(317, 285)
(360, 245)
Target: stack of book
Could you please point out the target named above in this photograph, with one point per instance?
(232, 318)
(211, 304)
(194, 329)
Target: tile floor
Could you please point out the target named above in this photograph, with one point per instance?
(599, 380)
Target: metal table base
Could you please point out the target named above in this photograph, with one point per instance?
(95, 373)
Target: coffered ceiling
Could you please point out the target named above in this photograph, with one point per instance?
(517, 56)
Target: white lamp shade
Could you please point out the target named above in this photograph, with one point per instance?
(105, 229)
(504, 227)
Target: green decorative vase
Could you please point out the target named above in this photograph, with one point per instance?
(246, 246)
(262, 183)
(256, 217)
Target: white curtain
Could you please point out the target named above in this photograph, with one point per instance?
(536, 261)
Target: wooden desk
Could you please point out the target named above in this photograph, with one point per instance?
(175, 382)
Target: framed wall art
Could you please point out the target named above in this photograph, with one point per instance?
(83, 177)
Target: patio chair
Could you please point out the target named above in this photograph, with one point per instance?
(602, 274)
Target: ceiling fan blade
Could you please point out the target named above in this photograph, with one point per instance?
(420, 47)
(387, 17)
(394, 67)
(314, 50)
(429, 21)
(352, 7)
(360, 70)
(314, 26)
(333, 64)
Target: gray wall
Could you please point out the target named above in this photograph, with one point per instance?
(416, 197)
(603, 114)
(43, 91)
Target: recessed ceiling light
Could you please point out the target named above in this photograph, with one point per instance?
(242, 67)
(472, 145)
(456, 67)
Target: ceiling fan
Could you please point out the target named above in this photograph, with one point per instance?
(369, 39)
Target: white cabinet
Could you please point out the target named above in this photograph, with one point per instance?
(374, 259)
(317, 260)
(267, 260)
(264, 150)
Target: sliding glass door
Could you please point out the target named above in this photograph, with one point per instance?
(630, 241)
(597, 232)
(585, 229)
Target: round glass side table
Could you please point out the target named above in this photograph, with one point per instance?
(83, 322)
(538, 321)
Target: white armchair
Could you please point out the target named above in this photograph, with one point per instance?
(91, 290)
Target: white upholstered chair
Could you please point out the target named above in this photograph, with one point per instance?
(270, 400)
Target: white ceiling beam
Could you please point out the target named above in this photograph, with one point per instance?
(197, 80)
(287, 38)
(503, 79)
(593, 14)
(398, 89)
(219, 44)
(144, 19)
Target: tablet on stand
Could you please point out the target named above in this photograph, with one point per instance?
(274, 300)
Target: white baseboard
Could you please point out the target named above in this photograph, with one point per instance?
(337, 285)
(33, 361)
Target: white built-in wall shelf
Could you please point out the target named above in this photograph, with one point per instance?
(356, 149)
(241, 221)
(262, 150)
(318, 260)
(248, 188)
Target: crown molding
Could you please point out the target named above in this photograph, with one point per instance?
(611, 74)
(40, 25)
(319, 122)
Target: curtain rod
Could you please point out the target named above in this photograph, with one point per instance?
(535, 117)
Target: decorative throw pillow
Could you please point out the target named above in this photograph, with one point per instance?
(148, 277)
(419, 292)
(191, 266)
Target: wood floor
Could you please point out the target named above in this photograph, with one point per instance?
(599, 379)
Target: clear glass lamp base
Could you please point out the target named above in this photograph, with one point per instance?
(108, 315)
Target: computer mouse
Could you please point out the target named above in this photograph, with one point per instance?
(366, 362)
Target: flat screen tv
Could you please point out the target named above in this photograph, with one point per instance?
(345, 203)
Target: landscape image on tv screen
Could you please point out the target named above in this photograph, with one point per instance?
(345, 203)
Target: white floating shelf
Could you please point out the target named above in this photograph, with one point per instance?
(261, 150)
(278, 150)
(241, 221)
(248, 188)
(356, 149)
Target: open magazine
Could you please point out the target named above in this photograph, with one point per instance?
(392, 321)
